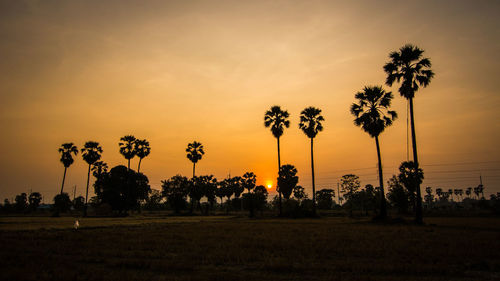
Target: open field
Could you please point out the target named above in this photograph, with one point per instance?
(230, 248)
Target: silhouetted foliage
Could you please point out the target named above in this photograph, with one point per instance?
(248, 181)
(34, 200)
(194, 153)
(176, 190)
(413, 71)
(373, 116)
(142, 150)
(398, 196)
(21, 202)
(277, 120)
(66, 150)
(79, 203)
(62, 203)
(287, 180)
(91, 153)
(325, 198)
(99, 168)
(349, 184)
(411, 177)
(310, 124)
(154, 201)
(122, 189)
(299, 193)
(127, 148)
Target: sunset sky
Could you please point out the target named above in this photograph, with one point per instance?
(177, 71)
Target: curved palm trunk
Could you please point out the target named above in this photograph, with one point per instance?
(64, 178)
(418, 210)
(86, 194)
(139, 166)
(383, 204)
(312, 170)
(279, 167)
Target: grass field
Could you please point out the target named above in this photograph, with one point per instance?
(232, 248)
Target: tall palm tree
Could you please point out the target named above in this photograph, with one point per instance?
(142, 150)
(66, 150)
(91, 152)
(373, 116)
(310, 123)
(194, 153)
(127, 147)
(277, 119)
(413, 71)
(99, 168)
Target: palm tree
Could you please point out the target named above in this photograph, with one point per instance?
(66, 150)
(127, 148)
(142, 150)
(373, 116)
(99, 168)
(277, 119)
(194, 153)
(91, 152)
(310, 124)
(408, 67)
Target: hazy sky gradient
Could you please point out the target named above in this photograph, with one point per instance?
(173, 72)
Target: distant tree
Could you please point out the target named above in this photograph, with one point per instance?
(277, 119)
(235, 184)
(299, 193)
(227, 189)
(468, 192)
(142, 150)
(248, 181)
(260, 197)
(480, 189)
(287, 180)
(175, 190)
(99, 168)
(349, 184)
(79, 203)
(153, 202)
(62, 203)
(220, 192)
(34, 200)
(460, 192)
(66, 150)
(325, 198)
(398, 196)
(91, 152)
(439, 193)
(127, 148)
(373, 116)
(122, 189)
(310, 124)
(411, 177)
(21, 204)
(413, 71)
(429, 198)
(194, 153)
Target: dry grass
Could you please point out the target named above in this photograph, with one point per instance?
(201, 248)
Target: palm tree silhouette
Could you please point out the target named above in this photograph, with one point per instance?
(91, 152)
(373, 116)
(66, 150)
(277, 119)
(408, 67)
(310, 123)
(194, 153)
(127, 148)
(99, 168)
(142, 150)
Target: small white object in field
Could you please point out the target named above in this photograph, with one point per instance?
(77, 224)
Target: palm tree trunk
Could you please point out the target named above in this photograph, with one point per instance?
(86, 194)
(64, 177)
(418, 210)
(193, 168)
(279, 167)
(139, 166)
(128, 164)
(312, 170)
(383, 205)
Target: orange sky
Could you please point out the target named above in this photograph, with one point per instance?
(72, 71)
